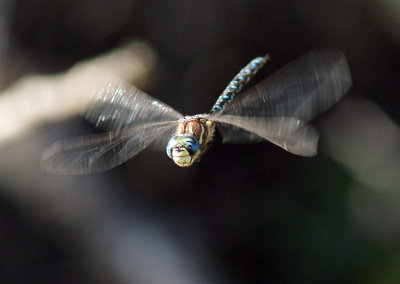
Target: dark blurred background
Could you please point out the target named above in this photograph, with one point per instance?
(245, 213)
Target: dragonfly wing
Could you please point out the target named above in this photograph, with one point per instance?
(302, 142)
(235, 135)
(302, 89)
(96, 153)
(119, 105)
(290, 133)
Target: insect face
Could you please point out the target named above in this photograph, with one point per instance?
(183, 149)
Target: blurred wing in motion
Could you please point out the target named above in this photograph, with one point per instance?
(302, 89)
(290, 133)
(96, 153)
(299, 91)
(119, 105)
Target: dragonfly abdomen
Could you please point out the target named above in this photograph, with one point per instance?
(239, 81)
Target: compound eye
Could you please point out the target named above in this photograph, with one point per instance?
(169, 151)
(192, 146)
(171, 144)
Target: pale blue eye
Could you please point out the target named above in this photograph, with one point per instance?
(191, 145)
(171, 144)
(186, 141)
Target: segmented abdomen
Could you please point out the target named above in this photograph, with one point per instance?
(238, 82)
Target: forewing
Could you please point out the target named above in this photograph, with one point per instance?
(119, 105)
(290, 133)
(302, 89)
(96, 153)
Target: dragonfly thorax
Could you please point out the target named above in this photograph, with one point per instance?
(190, 140)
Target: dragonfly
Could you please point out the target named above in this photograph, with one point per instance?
(277, 110)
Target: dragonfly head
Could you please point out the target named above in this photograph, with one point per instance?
(183, 149)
